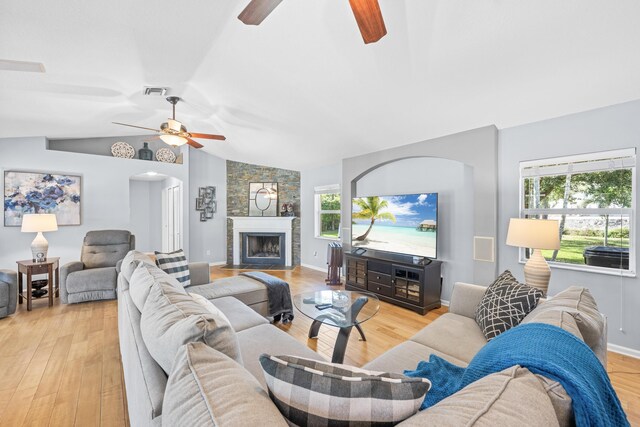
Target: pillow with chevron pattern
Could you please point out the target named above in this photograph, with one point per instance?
(504, 304)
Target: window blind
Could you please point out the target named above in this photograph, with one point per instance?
(595, 162)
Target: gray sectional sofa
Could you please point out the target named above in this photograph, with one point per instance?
(8, 292)
(205, 387)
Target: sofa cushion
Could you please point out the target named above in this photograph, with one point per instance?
(452, 334)
(131, 261)
(144, 278)
(104, 248)
(171, 319)
(561, 319)
(309, 392)
(269, 339)
(240, 316)
(513, 397)
(175, 265)
(581, 304)
(207, 388)
(504, 304)
(95, 279)
(247, 290)
(406, 356)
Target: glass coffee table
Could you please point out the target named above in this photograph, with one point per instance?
(341, 309)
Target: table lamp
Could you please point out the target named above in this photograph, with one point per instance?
(37, 223)
(536, 234)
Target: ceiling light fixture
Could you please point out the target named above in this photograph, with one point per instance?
(173, 140)
(151, 173)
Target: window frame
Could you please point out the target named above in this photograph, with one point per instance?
(318, 191)
(631, 212)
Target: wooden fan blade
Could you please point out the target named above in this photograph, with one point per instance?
(134, 126)
(207, 136)
(257, 10)
(369, 19)
(193, 143)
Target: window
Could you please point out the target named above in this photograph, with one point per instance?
(593, 198)
(327, 207)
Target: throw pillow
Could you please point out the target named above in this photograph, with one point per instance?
(171, 319)
(504, 304)
(309, 392)
(144, 278)
(582, 306)
(207, 388)
(174, 264)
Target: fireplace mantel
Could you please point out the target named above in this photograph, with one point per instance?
(256, 224)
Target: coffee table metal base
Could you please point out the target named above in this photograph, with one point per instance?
(343, 333)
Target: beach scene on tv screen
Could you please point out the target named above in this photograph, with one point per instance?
(404, 224)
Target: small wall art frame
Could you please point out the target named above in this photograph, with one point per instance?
(206, 203)
(42, 192)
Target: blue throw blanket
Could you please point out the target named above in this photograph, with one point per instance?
(280, 306)
(542, 349)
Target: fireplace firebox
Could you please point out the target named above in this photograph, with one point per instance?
(263, 248)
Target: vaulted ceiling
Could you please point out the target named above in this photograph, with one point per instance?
(302, 89)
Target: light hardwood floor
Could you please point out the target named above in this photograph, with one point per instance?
(60, 366)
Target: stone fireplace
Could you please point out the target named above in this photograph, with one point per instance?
(263, 248)
(262, 240)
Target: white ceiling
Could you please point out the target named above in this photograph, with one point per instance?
(302, 89)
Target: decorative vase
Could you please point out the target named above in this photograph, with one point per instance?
(145, 152)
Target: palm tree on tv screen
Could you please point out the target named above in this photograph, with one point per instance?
(370, 209)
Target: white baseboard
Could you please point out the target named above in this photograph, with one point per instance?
(444, 302)
(623, 350)
(213, 264)
(313, 267)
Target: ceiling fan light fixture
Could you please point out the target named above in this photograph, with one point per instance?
(173, 140)
(174, 125)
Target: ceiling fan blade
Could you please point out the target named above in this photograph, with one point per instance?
(369, 19)
(134, 126)
(207, 136)
(257, 10)
(193, 143)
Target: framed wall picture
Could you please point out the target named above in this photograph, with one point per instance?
(37, 192)
(199, 203)
(206, 202)
(263, 199)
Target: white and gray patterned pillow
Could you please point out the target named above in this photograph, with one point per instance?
(175, 264)
(309, 392)
(504, 304)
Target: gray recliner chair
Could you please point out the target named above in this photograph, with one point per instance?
(94, 277)
(8, 292)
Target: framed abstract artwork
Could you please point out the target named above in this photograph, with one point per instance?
(263, 199)
(36, 192)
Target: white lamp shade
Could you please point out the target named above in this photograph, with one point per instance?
(33, 223)
(173, 140)
(534, 233)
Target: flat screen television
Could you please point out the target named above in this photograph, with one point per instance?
(405, 224)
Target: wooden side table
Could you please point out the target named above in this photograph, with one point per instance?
(31, 268)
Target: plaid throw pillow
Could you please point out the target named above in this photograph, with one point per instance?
(175, 265)
(312, 393)
(504, 304)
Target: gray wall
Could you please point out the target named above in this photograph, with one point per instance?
(453, 181)
(598, 130)
(313, 249)
(476, 148)
(105, 194)
(208, 239)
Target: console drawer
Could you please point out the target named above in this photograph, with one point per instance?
(379, 288)
(382, 279)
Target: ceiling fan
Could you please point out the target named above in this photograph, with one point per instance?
(174, 133)
(367, 13)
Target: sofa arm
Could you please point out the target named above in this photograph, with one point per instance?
(199, 273)
(465, 298)
(11, 279)
(65, 270)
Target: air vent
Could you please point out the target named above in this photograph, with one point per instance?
(30, 67)
(154, 91)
